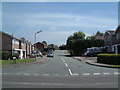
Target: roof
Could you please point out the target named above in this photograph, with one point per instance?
(111, 32)
(15, 37)
(9, 35)
(117, 29)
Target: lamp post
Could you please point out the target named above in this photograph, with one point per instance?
(35, 39)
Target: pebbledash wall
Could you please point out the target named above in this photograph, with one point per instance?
(15, 45)
(112, 40)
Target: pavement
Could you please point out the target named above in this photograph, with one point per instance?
(93, 61)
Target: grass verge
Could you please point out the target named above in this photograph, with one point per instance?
(117, 66)
(5, 62)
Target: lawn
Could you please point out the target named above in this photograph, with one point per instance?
(5, 62)
(118, 66)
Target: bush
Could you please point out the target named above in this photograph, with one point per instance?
(5, 55)
(109, 59)
(15, 55)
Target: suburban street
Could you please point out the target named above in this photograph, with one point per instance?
(59, 72)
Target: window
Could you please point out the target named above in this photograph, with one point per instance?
(15, 41)
(118, 35)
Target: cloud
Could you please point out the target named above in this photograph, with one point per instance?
(63, 20)
(56, 26)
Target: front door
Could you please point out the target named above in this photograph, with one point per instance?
(118, 47)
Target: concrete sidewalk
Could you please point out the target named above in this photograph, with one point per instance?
(93, 61)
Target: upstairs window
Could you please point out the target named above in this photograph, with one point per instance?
(15, 41)
(118, 35)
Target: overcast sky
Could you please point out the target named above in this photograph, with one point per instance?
(58, 20)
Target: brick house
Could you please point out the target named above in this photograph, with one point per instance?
(112, 41)
(39, 46)
(15, 45)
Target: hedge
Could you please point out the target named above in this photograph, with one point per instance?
(113, 59)
(5, 55)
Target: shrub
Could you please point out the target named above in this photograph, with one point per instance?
(5, 55)
(16, 55)
(109, 58)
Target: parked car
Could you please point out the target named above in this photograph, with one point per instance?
(37, 54)
(50, 55)
(93, 51)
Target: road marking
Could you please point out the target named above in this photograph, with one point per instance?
(96, 73)
(46, 74)
(56, 74)
(18, 73)
(6, 73)
(26, 74)
(85, 74)
(35, 74)
(63, 59)
(75, 74)
(70, 71)
(66, 65)
(106, 73)
(29, 83)
(116, 73)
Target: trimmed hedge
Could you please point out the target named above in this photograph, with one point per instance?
(5, 55)
(113, 59)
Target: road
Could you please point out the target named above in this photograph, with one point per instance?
(59, 72)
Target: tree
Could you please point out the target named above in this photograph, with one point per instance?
(63, 47)
(77, 44)
(72, 39)
(78, 35)
(98, 33)
(44, 42)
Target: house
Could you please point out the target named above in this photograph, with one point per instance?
(15, 45)
(112, 41)
(116, 40)
(97, 37)
(109, 34)
(39, 46)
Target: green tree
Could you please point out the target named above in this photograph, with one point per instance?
(78, 35)
(77, 44)
(44, 42)
(98, 33)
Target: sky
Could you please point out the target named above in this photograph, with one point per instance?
(57, 20)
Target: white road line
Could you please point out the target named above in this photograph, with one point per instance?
(66, 65)
(106, 73)
(70, 71)
(63, 59)
(116, 73)
(46, 74)
(85, 74)
(96, 73)
(18, 73)
(26, 74)
(75, 74)
(35, 74)
(6, 73)
(29, 83)
(56, 74)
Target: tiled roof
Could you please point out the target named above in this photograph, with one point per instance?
(111, 32)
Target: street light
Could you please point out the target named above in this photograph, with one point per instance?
(35, 38)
